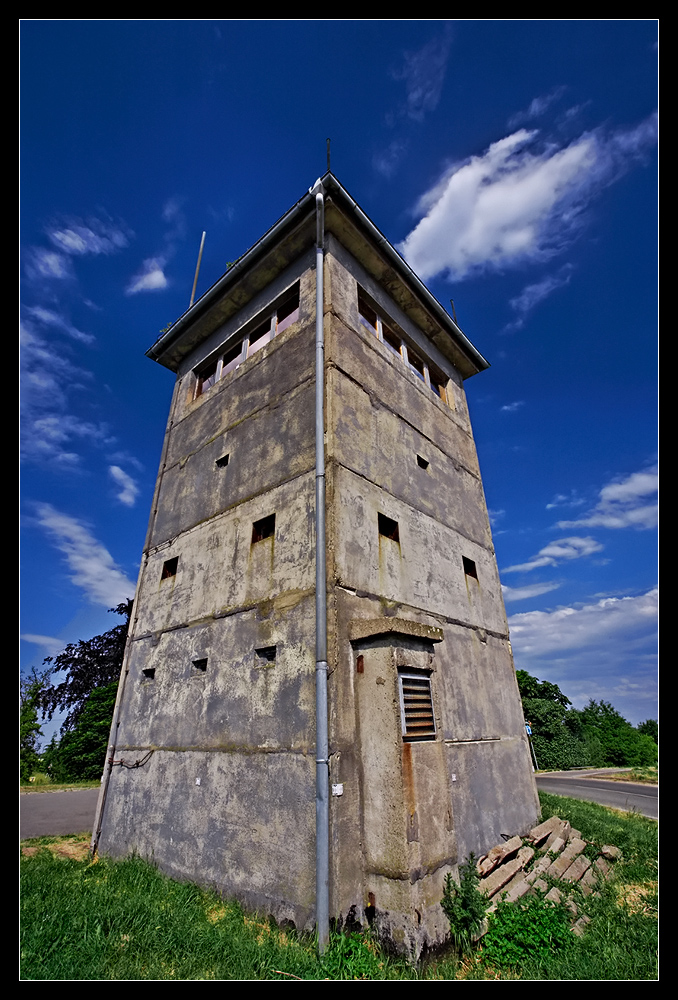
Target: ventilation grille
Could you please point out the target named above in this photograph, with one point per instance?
(416, 708)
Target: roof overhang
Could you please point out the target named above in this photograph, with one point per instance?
(287, 240)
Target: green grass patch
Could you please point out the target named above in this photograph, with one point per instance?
(125, 920)
(43, 783)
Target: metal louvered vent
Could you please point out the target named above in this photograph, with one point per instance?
(416, 707)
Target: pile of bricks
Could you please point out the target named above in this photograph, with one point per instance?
(509, 870)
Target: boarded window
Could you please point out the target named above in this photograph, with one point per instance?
(416, 707)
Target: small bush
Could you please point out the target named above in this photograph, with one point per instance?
(528, 930)
(464, 905)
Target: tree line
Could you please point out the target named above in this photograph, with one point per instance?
(594, 736)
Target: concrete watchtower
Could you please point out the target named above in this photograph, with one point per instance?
(212, 765)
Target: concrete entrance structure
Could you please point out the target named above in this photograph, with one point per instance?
(212, 759)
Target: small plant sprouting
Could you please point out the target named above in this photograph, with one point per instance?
(464, 905)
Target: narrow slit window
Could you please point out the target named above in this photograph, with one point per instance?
(200, 666)
(265, 528)
(149, 673)
(222, 462)
(367, 314)
(266, 653)
(421, 462)
(231, 359)
(416, 707)
(388, 528)
(169, 568)
(416, 364)
(288, 311)
(206, 378)
(470, 568)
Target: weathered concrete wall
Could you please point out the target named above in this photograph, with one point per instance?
(476, 776)
(225, 793)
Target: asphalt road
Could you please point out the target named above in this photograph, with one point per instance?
(592, 786)
(46, 814)
(52, 814)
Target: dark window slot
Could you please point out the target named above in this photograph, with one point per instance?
(149, 673)
(470, 567)
(222, 462)
(388, 528)
(266, 653)
(200, 666)
(169, 568)
(421, 462)
(265, 528)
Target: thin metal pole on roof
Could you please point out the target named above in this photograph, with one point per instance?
(328, 156)
(197, 269)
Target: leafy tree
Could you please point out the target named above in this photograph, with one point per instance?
(30, 731)
(555, 725)
(80, 754)
(620, 744)
(649, 728)
(88, 664)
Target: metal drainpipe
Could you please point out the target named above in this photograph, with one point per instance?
(322, 775)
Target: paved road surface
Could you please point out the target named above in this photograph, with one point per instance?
(593, 787)
(51, 814)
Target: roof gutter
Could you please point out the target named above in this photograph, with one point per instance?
(303, 208)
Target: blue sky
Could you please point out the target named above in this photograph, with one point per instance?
(512, 163)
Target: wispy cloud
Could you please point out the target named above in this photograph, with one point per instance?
(535, 293)
(41, 263)
(523, 593)
(49, 430)
(562, 500)
(537, 107)
(48, 643)
(557, 552)
(386, 162)
(93, 236)
(518, 201)
(128, 489)
(91, 564)
(623, 504)
(602, 650)
(150, 278)
(512, 407)
(50, 318)
(424, 74)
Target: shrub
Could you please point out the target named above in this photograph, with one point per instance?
(464, 905)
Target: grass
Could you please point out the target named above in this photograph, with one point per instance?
(124, 920)
(43, 783)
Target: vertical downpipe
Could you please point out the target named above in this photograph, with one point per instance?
(322, 778)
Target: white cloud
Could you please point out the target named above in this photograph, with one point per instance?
(91, 564)
(77, 237)
(557, 552)
(150, 278)
(533, 294)
(537, 107)
(41, 263)
(516, 202)
(523, 593)
(50, 318)
(386, 162)
(424, 74)
(622, 504)
(49, 431)
(603, 650)
(49, 644)
(512, 407)
(128, 488)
